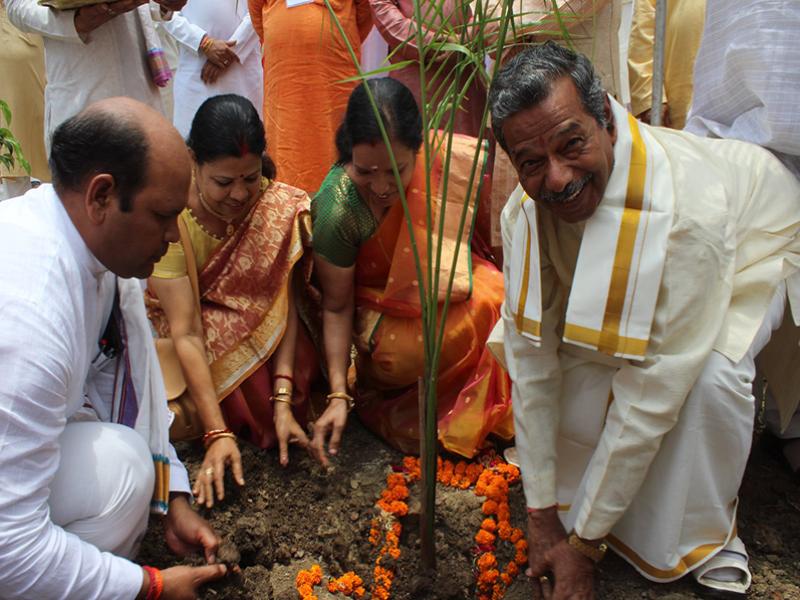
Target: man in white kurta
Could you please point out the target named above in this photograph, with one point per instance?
(106, 61)
(222, 21)
(642, 279)
(84, 427)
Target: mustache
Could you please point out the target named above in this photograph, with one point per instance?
(573, 189)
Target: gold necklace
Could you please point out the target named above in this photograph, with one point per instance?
(203, 227)
(229, 228)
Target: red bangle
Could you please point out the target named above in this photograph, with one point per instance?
(156, 583)
(214, 433)
(286, 377)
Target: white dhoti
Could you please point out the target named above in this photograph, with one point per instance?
(103, 486)
(685, 511)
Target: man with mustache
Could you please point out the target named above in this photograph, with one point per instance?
(84, 425)
(645, 269)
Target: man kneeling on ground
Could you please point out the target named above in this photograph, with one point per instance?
(84, 425)
(645, 269)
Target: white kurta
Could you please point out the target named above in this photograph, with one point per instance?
(226, 20)
(746, 76)
(112, 63)
(733, 241)
(54, 303)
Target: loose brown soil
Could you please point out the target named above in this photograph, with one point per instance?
(285, 520)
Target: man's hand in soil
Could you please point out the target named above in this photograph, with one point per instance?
(182, 583)
(545, 531)
(573, 574)
(288, 430)
(331, 423)
(211, 476)
(186, 532)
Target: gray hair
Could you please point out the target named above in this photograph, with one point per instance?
(526, 80)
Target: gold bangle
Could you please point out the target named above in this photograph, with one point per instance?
(285, 398)
(217, 436)
(283, 391)
(342, 396)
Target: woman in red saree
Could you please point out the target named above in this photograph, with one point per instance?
(247, 360)
(370, 295)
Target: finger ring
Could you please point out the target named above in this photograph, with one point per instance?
(225, 62)
(544, 579)
(209, 471)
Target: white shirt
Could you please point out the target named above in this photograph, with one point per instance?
(54, 303)
(735, 237)
(112, 63)
(227, 20)
(746, 76)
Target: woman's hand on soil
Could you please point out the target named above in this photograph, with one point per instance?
(211, 476)
(288, 430)
(186, 532)
(331, 423)
(182, 583)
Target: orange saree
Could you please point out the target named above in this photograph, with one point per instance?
(244, 295)
(474, 393)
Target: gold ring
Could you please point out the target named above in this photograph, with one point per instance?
(544, 579)
(209, 471)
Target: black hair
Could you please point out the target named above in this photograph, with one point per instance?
(527, 78)
(398, 111)
(229, 125)
(94, 142)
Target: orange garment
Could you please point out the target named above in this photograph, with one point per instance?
(305, 60)
(473, 392)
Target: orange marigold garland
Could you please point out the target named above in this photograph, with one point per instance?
(493, 483)
(491, 479)
(348, 584)
(306, 580)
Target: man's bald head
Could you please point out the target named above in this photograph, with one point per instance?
(122, 172)
(118, 136)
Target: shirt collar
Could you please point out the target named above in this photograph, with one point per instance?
(74, 238)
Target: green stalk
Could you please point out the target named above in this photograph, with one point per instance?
(386, 141)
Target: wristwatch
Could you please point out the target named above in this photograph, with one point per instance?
(595, 553)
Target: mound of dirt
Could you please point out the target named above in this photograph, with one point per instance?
(285, 520)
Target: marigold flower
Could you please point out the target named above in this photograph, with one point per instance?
(516, 535)
(489, 576)
(347, 584)
(484, 538)
(489, 507)
(489, 525)
(487, 561)
(504, 530)
(503, 510)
